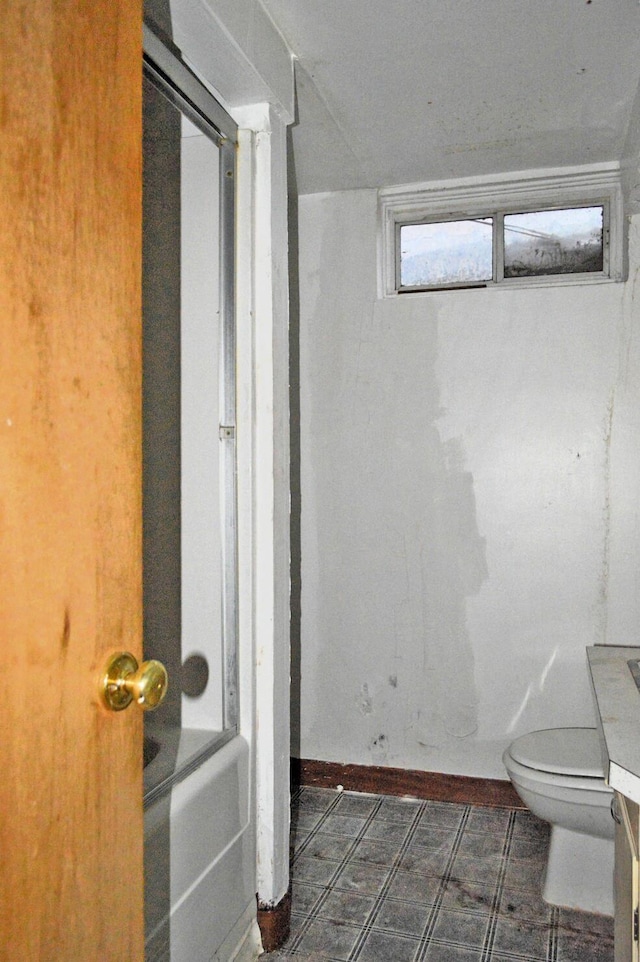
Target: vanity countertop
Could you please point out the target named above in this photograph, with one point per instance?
(618, 708)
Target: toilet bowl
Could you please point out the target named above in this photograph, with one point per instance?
(558, 774)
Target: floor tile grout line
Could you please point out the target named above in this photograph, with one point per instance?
(394, 899)
(552, 944)
(453, 943)
(507, 954)
(517, 956)
(393, 870)
(427, 931)
(304, 957)
(312, 915)
(494, 915)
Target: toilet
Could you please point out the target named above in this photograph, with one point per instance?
(558, 774)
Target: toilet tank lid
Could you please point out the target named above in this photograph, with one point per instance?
(568, 751)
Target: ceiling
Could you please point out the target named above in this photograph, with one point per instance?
(404, 91)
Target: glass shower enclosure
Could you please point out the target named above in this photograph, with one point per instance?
(198, 847)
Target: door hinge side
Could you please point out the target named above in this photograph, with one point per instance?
(636, 925)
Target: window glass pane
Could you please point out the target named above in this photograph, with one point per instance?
(553, 242)
(450, 252)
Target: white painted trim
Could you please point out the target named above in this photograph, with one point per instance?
(505, 192)
(270, 492)
(235, 45)
(244, 434)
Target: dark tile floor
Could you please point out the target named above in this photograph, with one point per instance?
(380, 879)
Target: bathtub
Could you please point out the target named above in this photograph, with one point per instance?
(200, 890)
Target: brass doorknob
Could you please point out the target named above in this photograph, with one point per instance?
(125, 681)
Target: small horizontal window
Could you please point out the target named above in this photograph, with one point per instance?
(500, 247)
(520, 229)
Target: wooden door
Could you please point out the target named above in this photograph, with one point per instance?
(70, 513)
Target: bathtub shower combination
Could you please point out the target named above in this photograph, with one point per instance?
(199, 850)
(199, 854)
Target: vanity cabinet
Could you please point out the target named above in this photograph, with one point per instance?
(615, 682)
(626, 878)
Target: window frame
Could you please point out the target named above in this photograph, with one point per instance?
(494, 197)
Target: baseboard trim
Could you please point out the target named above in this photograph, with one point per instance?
(275, 923)
(434, 786)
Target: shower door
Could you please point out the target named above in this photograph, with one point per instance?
(196, 765)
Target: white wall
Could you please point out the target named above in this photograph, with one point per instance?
(468, 501)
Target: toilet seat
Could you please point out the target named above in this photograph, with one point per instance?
(573, 752)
